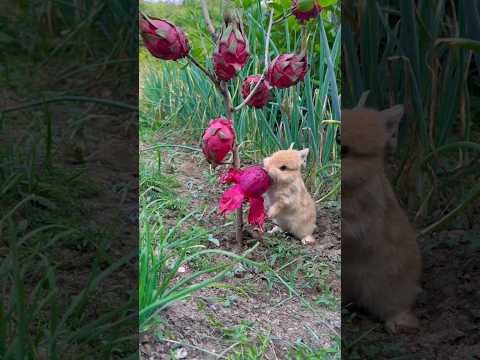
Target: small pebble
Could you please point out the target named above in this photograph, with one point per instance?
(181, 353)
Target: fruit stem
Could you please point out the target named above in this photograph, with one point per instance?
(282, 18)
(204, 70)
(227, 101)
(227, 98)
(208, 21)
(305, 35)
(228, 14)
(239, 227)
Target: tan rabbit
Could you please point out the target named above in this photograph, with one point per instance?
(289, 204)
(381, 263)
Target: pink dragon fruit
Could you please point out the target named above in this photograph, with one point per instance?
(287, 70)
(231, 52)
(250, 184)
(218, 140)
(261, 96)
(305, 10)
(163, 39)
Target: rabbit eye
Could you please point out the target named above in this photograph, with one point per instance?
(283, 167)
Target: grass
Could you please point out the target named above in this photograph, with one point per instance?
(436, 80)
(165, 250)
(58, 261)
(397, 50)
(181, 256)
(38, 317)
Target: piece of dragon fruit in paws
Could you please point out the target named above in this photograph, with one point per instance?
(218, 140)
(250, 184)
(254, 181)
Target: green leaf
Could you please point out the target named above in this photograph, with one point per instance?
(277, 7)
(244, 3)
(213, 240)
(305, 5)
(5, 38)
(326, 3)
(280, 5)
(463, 43)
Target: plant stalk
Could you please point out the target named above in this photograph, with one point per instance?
(208, 21)
(227, 100)
(204, 70)
(229, 110)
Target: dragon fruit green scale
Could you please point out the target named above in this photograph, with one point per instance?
(231, 52)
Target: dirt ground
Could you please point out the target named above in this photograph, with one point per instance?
(247, 303)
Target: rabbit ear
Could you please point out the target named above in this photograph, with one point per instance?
(392, 118)
(267, 160)
(362, 100)
(304, 155)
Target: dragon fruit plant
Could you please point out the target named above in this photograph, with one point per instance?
(166, 41)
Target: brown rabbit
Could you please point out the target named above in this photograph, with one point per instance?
(381, 264)
(290, 205)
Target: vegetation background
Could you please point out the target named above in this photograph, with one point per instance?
(424, 55)
(68, 160)
(279, 298)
